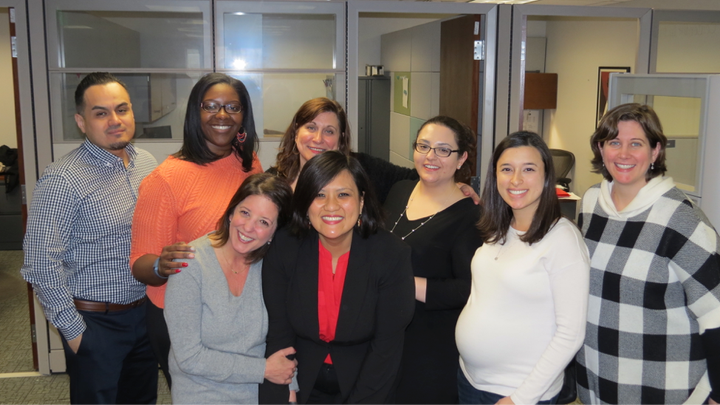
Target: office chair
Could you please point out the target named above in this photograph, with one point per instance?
(563, 161)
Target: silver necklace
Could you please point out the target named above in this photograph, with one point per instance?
(418, 227)
(502, 245)
(229, 264)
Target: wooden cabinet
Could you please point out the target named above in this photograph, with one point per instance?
(540, 91)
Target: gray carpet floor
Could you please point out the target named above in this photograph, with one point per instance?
(15, 336)
(16, 345)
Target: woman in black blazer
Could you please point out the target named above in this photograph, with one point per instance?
(335, 214)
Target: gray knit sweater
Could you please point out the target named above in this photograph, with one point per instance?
(217, 339)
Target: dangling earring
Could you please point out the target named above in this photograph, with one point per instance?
(359, 222)
(294, 143)
(270, 240)
(652, 166)
(241, 136)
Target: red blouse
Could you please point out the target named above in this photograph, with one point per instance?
(330, 289)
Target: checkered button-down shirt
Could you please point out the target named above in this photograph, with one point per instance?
(654, 295)
(77, 243)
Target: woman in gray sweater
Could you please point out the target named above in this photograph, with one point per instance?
(214, 308)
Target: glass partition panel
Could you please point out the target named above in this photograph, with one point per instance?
(688, 47)
(285, 52)
(276, 97)
(159, 101)
(680, 102)
(681, 117)
(130, 39)
(279, 41)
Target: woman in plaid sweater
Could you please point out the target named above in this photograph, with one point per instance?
(653, 326)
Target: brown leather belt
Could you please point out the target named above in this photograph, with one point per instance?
(94, 306)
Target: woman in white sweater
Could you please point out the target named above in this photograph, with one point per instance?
(525, 318)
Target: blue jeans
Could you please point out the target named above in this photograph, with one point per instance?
(467, 394)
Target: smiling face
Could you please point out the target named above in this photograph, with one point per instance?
(220, 128)
(107, 118)
(628, 157)
(252, 223)
(336, 209)
(320, 134)
(432, 168)
(520, 181)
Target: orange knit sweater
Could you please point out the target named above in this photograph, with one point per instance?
(181, 201)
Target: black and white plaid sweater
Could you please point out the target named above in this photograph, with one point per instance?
(654, 289)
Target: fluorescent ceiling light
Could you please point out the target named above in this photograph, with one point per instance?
(239, 64)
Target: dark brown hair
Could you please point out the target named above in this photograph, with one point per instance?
(320, 171)
(93, 79)
(275, 189)
(288, 159)
(608, 130)
(496, 213)
(464, 137)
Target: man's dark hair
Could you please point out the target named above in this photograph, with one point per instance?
(93, 79)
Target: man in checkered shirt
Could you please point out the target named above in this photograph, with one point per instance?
(77, 249)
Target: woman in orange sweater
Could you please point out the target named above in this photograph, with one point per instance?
(182, 198)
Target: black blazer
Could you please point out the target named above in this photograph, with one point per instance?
(377, 304)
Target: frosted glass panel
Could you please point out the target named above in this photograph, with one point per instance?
(128, 39)
(675, 56)
(159, 101)
(680, 118)
(276, 97)
(279, 41)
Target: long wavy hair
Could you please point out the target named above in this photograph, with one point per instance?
(497, 215)
(194, 148)
(288, 159)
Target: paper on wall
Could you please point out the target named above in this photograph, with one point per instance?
(405, 84)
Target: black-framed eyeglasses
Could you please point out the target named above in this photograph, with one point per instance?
(214, 108)
(439, 152)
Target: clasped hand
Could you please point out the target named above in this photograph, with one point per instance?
(279, 369)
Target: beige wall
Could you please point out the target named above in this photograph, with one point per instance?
(675, 54)
(415, 50)
(576, 47)
(372, 26)
(7, 99)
